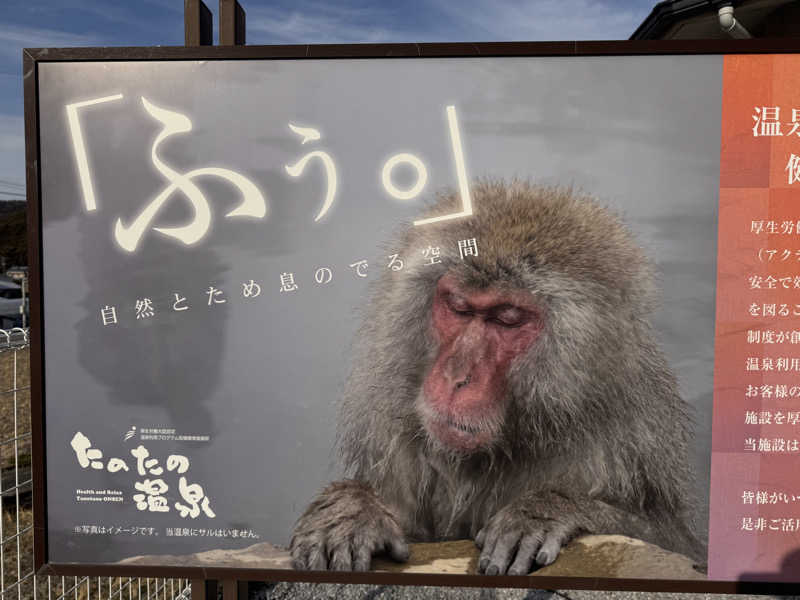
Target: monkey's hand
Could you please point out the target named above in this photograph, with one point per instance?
(343, 528)
(530, 530)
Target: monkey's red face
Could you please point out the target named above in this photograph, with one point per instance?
(480, 333)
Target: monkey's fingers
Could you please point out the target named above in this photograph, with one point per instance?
(503, 552)
(363, 546)
(317, 559)
(341, 557)
(490, 537)
(480, 538)
(362, 558)
(397, 548)
(526, 552)
(491, 533)
(299, 562)
(556, 537)
(308, 553)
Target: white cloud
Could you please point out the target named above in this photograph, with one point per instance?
(15, 37)
(42, 38)
(318, 23)
(545, 19)
(445, 20)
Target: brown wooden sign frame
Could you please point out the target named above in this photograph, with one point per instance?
(32, 58)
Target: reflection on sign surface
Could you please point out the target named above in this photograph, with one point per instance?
(253, 203)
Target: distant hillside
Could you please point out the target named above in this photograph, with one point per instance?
(10, 206)
(13, 243)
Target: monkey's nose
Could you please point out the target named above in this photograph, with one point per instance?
(463, 382)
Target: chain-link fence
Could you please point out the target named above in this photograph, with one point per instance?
(17, 578)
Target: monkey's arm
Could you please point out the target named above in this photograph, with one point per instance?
(532, 529)
(343, 528)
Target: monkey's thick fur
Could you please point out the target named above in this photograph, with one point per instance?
(594, 438)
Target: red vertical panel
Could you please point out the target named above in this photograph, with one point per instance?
(754, 187)
(744, 159)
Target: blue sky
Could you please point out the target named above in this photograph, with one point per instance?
(56, 23)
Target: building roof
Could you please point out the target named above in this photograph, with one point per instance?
(698, 19)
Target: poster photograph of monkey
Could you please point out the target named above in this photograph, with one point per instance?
(450, 316)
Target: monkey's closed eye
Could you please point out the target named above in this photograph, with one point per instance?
(458, 305)
(509, 316)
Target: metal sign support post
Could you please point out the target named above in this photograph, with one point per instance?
(231, 23)
(198, 27)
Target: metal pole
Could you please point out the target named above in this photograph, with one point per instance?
(24, 308)
(198, 26)
(231, 23)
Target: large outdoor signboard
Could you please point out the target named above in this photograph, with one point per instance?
(495, 314)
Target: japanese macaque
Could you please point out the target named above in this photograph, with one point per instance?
(516, 397)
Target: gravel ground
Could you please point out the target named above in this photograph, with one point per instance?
(318, 591)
